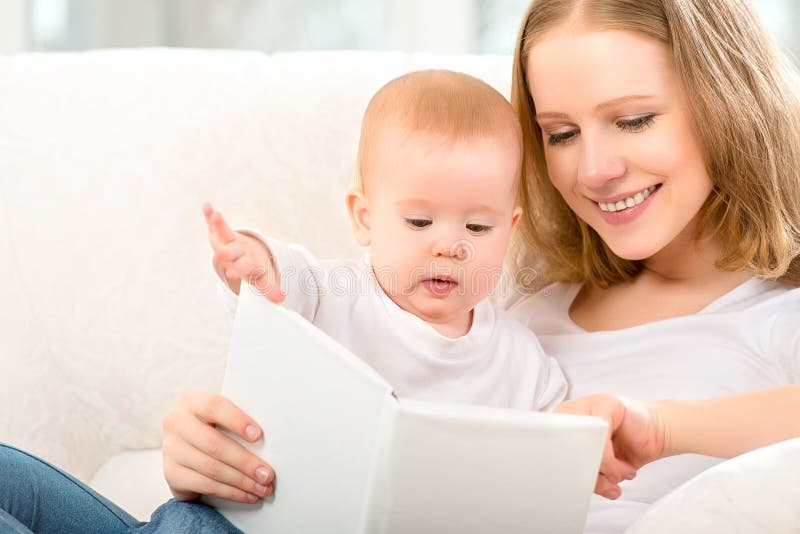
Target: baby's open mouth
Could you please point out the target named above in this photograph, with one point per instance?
(439, 285)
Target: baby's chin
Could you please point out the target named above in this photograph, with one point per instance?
(439, 312)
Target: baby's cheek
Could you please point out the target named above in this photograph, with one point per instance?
(483, 280)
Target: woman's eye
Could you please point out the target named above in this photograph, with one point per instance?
(636, 124)
(561, 137)
(478, 228)
(419, 223)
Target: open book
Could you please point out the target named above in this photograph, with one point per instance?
(350, 457)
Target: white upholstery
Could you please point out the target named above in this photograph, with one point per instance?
(755, 492)
(108, 307)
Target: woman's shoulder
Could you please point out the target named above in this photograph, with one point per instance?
(757, 296)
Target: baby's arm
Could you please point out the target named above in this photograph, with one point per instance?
(242, 257)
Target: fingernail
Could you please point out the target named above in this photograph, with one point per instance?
(251, 497)
(262, 474)
(260, 489)
(251, 432)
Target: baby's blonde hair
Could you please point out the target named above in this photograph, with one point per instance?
(744, 96)
(455, 105)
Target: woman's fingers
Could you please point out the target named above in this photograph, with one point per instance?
(183, 477)
(219, 411)
(607, 488)
(220, 447)
(613, 470)
(218, 464)
(192, 440)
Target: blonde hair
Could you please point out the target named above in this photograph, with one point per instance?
(451, 104)
(746, 94)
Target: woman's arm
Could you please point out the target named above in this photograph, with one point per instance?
(725, 427)
(729, 426)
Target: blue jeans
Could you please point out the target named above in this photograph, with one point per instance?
(37, 497)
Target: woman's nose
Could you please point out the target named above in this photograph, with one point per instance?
(599, 161)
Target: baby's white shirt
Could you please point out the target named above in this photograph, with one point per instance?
(746, 340)
(499, 362)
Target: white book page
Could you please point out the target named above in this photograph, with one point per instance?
(320, 408)
(471, 469)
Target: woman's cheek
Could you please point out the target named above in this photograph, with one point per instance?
(558, 171)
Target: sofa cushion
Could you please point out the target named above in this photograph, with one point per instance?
(755, 492)
(133, 480)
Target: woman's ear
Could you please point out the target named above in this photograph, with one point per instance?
(515, 215)
(358, 207)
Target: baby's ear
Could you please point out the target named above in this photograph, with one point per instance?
(358, 207)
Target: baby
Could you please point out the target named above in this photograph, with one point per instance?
(439, 166)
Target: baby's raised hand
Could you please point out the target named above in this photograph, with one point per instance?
(241, 257)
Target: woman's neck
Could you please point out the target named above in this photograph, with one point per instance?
(687, 259)
(681, 279)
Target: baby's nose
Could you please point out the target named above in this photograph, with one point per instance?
(460, 250)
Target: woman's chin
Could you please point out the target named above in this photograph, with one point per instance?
(633, 251)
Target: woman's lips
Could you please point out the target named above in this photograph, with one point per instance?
(628, 213)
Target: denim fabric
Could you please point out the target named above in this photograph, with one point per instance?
(185, 517)
(37, 497)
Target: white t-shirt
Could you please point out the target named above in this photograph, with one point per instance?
(499, 362)
(748, 339)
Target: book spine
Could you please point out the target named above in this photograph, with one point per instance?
(378, 499)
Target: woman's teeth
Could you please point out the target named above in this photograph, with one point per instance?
(629, 202)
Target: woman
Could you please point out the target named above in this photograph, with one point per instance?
(662, 191)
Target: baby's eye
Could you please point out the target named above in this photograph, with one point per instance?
(418, 223)
(478, 228)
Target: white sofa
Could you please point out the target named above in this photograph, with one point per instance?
(108, 307)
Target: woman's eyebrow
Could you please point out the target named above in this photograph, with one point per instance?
(607, 104)
(622, 100)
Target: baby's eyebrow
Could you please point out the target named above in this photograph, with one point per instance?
(473, 208)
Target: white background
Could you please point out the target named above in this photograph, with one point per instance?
(476, 26)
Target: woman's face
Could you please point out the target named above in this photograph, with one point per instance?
(618, 138)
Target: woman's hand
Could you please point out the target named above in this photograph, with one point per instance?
(200, 459)
(241, 257)
(635, 437)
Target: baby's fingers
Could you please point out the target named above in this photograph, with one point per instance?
(208, 209)
(228, 255)
(217, 226)
(261, 279)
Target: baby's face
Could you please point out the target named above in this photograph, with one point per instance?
(441, 213)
